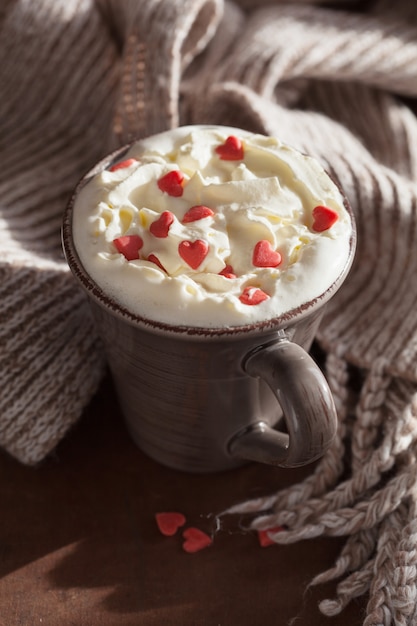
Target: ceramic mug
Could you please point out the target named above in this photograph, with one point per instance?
(210, 399)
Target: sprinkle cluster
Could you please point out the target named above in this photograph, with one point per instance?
(195, 539)
(194, 251)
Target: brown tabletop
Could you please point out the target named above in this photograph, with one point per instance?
(80, 546)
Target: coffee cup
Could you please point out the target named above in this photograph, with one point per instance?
(208, 343)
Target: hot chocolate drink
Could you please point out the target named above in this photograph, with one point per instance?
(209, 226)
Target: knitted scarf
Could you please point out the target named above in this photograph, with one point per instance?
(336, 80)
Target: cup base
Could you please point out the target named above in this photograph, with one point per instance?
(187, 459)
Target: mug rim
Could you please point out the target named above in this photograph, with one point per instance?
(98, 295)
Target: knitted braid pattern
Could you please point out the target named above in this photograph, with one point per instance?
(80, 77)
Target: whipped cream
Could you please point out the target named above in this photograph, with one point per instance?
(210, 226)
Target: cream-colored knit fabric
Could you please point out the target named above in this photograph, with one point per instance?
(79, 77)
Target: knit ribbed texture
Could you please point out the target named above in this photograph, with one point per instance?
(79, 78)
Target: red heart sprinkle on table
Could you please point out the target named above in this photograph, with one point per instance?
(264, 538)
(168, 523)
(231, 149)
(154, 259)
(323, 218)
(171, 183)
(195, 540)
(252, 296)
(198, 212)
(129, 246)
(122, 165)
(160, 227)
(193, 252)
(228, 272)
(265, 256)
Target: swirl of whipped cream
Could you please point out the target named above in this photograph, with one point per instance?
(209, 226)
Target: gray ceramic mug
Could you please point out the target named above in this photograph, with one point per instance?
(204, 400)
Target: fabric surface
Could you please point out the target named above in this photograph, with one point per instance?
(338, 81)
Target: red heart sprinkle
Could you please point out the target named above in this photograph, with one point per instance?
(252, 295)
(231, 149)
(168, 523)
(323, 218)
(122, 164)
(193, 252)
(198, 212)
(195, 540)
(265, 256)
(171, 183)
(160, 227)
(129, 246)
(154, 259)
(228, 272)
(264, 538)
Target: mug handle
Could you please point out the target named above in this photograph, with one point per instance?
(306, 402)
